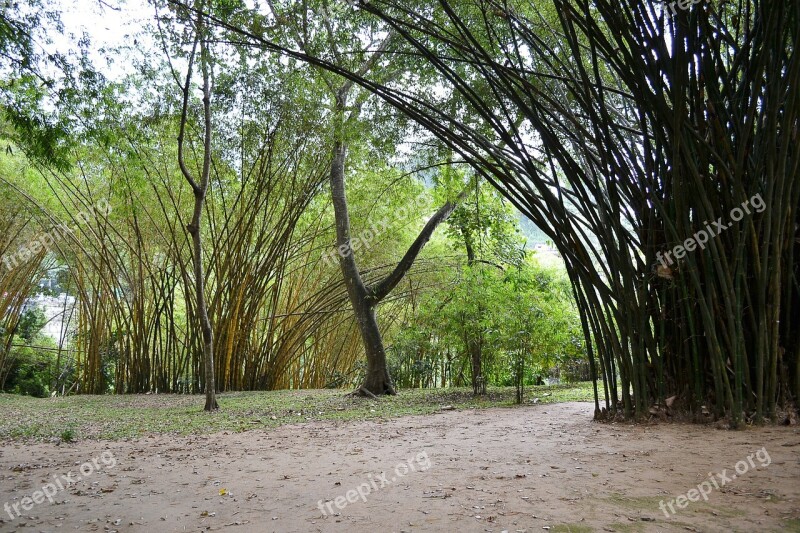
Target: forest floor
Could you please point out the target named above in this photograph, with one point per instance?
(119, 416)
(539, 467)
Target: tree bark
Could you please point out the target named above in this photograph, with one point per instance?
(476, 354)
(200, 190)
(202, 308)
(474, 343)
(378, 380)
(364, 299)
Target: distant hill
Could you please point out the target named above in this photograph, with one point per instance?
(532, 232)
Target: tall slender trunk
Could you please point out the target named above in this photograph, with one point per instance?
(202, 308)
(200, 190)
(474, 343)
(476, 354)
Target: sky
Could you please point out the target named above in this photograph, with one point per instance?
(108, 24)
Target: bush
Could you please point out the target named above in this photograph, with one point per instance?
(68, 435)
(33, 371)
(30, 373)
(32, 386)
(31, 323)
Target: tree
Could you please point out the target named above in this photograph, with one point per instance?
(364, 298)
(200, 190)
(346, 110)
(644, 179)
(622, 130)
(47, 95)
(521, 315)
(483, 221)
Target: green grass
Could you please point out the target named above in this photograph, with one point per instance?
(644, 503)
(116, 417)
(792, 524)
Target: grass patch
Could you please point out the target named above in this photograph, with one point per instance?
(792, 524)
(114, 417)
(68, 435)
(642, 503)
(649, 506)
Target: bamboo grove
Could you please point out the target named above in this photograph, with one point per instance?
(279, 311)
(656, 146)
(623, 129)
(651, 126)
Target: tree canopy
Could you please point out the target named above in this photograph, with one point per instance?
(364, 170)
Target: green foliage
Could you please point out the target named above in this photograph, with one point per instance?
(32, 366)
(499, 307)
(483, 224)
(49, 99)
(522, 317)
(30, 382)
(31, 323)
(68, 435)
(31, 372)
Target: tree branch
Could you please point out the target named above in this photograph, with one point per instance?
(382, 289)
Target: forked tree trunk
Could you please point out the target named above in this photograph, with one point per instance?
(377, 380)
(200, 190)
(364, 299)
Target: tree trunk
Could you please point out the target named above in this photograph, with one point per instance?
(473, 343)
(478, 383)
(378, 381)
(364, 298)
(200, 190)
(202, 308)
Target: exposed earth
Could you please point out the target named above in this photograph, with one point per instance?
(536, 468)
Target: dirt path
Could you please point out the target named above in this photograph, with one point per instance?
(527, 469)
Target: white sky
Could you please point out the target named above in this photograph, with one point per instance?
(107, 27)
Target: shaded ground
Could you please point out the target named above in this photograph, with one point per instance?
(525, 469)
(118, 416)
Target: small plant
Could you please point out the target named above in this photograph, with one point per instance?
(68, 435)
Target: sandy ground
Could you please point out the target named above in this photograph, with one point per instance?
(537, 468)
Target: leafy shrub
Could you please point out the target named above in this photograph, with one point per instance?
(32, 386)
(30, 373)
(68, 435)
(32, 368)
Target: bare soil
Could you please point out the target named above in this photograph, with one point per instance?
(536, 468)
